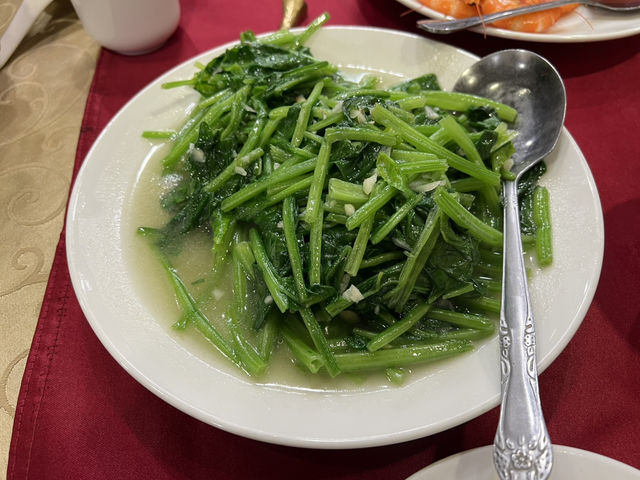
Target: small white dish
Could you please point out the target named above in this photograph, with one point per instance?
(585, 24)
(568, 464)
(199, 382)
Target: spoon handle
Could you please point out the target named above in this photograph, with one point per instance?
(451, 26)
(292, 10)
(522, 448)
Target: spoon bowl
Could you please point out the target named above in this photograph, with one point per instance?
(455, 25)
(531, 85)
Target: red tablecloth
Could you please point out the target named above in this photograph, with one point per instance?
(79, 415)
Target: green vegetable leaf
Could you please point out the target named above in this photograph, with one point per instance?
(428, 81)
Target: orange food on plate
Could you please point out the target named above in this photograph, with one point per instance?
(531, 22)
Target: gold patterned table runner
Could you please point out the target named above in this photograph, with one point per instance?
(43, 89)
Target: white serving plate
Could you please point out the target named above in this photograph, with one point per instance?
(203, 385)
(568, 464)
(585, 24)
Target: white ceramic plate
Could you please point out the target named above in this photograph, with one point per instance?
(585, 24)
(568, 464)
(356, 415)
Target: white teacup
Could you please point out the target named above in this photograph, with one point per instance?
(130, 27)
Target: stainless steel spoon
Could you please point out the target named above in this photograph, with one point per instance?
(455, 25)
(530, 84)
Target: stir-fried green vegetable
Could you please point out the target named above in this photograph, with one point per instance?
(360, 225)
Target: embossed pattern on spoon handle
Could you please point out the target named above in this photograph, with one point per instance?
(522, 448)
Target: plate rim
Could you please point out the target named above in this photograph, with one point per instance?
(564, 451)
(353, 441)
